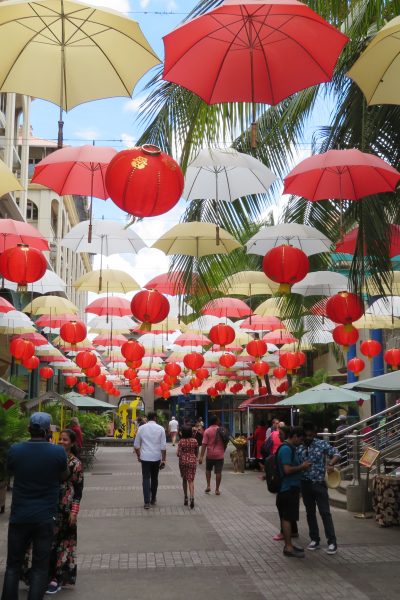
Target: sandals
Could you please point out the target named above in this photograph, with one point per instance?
(217, 493)
(185, 503)
(207, 490)
(191, 502)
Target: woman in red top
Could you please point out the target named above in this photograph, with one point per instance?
(187, 453)
(76, 428)
(259, 439)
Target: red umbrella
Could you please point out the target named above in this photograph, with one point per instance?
(36, 338)
(115, 306)
(227, 307)
(76, 170)
(341, 175)
(348, 244)
(252, 51)
(279, 337)
(54, 322)
(106, 340)
(13, 233)
(192, 339)
(173, 284)
(5, 305)
(258, 323)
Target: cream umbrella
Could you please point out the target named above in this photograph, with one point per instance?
(50, 305)
(196, 239)
(248, 283)
(109, 280)
(108, 237)
(369, 321)
(69, 52)
(8, 182)
(321, 283)
(308, 239)
(50, 282)
(269, 308)
(392, 289)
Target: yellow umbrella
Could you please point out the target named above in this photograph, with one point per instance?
(376, 71)
(8, 182)
(50, 305)
(11, 329)
(108, 280)
(369, 321)
(196, 239)
(248, 283)
(68, 52)
(390, 290)
(270, 308)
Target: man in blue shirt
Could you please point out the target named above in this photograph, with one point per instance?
(288, 498)
(314, 490)
(37, 467)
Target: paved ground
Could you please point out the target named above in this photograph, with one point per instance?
(222, 549)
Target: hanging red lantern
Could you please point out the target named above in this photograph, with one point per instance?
(220, 386)
(46, 372)
(283, 387)
(356, 365)
(100, 380)
(222, 335)
(286, 265)
(31, 363)
(227, 360)
(158, 391)
(90, 389)
(370, 348)
(172, 369)
(257, 348)
(85, 360)
(21, 349)
(149, 306)
(108, 386)
(360, 402)
(279, 372)
(345, 308)
(202, 373)
(133, 364)
(289, 361)
(301, 357)
(193, 361)
(166, 394)
(70, 380)
(250, 393)
(82, 387)
(133, 351)
(185, 389)
(73, 332)
(130, 373)
(260, 368)
(170, 380)
(212, 392)
(144, 181)
(93, 372)
(165, 386)
(137, 389)
(196, 382)
(262, 390)
(345, 337)
(239, 387)
(22, 264)
(392, 358)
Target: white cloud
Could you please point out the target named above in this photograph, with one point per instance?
(144, 3)
(128, 140)
(119, 5)
(134, 104)
(87, 134)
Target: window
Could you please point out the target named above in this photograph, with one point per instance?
(32, 213)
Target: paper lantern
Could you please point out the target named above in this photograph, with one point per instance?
(286, 265)
(169, 379)
(283, 387)
(279, 372)
(256, 348)
(144, 181)
(172, 369)
(212, 392)
(250, 393)
(360, 402)
(289, 361)
(202, 373)
(149, 306)
(108, 386)
(70, 380)
(130, 373)
(133, 351)
(227, 360)
(220, 386)
(345, 308)
(22, 264)
(345, 336)
(166, 394)
(31, 363)
(356, 365)
(301, 357)
(82, 387)
(73, 332)
(370, 348)
(262, 390)
(46, 372)
(90, 389)
(100, 380)
(260, 368)
(193, 361)
(392, 357)
(222, 335)
(21, 349)
(85, 360)
(93, 372)
(196, 382)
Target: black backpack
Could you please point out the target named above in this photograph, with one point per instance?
(266, 448)
(224, 435)
(273, 471)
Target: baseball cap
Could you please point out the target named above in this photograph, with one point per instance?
(40, 420)
(342, 418)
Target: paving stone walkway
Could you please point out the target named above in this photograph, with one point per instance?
(222, 549)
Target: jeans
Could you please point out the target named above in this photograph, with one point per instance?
(150, 471)
(20, 535)
(316, 494)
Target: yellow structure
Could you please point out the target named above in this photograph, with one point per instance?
(127, 415)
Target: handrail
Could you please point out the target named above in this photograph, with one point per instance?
(395, 408)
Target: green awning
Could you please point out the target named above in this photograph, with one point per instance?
(81, 401)
(324, 393)
(382, 383)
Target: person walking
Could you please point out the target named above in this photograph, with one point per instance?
(198, 431)
(151, 449)
(75, 426)
(288, 497)
(188, 450)
(213, 443)
(277, 442)
(314, 490)
(173, 427)
(259, 439)
(38, 468)
(63, 557)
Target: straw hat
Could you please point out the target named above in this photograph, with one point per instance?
(333, 479)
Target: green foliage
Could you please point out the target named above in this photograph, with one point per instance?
(93, 425)
(13, 428)
(162, 418)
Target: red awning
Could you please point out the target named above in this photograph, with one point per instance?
(261, 402)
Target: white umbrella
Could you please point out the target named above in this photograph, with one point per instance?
(307, 238)
(108, 237)
(321, 283)
(384, 307)
(225, 175)
(50, 282)
(204, 323)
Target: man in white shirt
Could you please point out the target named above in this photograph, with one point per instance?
(173, 427)
(150, 447)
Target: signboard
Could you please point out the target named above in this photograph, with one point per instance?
(369, 457)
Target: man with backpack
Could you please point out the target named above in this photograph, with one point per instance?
(215, 441)
(287, 485)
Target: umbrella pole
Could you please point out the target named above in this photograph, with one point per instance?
(217, 241)
(60, 120)
(254, 126)
(91, 209)
(60, 130)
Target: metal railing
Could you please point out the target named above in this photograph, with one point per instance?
(380, 431)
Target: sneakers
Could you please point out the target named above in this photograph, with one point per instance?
(53, 588)
(295, 553)
(313, 546)
(146, 506)
(331, 549)
(153, 501)
(278, 537)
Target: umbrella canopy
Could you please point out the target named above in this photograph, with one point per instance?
(390, 289)
(225, 175)
(321, 283)
(382, 383)
(37, 339)
(205, 322)
(324, 393)
(385, 307)
(110, 280)
(87, 402)
(196, 239)
(227, 307)
(117, 324)
(174, 283)
(308, 239)
(348, 243)
(108, 237)
(369, 321)
(18, 232)
(114, 306)
(192, 339)
(342, 175)
(5, 305)
(279, 337)
(258, 323)
(376, 71)
(50, 282)
(54, 322)
(8, 182)
(50, 305)
(106, 340)
(248, 283)
(269, 308)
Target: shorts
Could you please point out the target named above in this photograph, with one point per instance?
(288, 504)
(216, 463)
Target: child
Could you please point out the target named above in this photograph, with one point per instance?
(187, 452)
